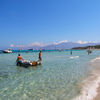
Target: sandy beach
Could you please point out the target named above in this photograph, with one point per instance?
(98, 95)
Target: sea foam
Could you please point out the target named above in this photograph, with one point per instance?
(97, 58)
(74, 57)
(89, 91)
(90, 85)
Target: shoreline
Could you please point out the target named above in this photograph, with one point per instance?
(96, 63)
(91, 85)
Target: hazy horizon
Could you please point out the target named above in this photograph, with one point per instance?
(58, 45)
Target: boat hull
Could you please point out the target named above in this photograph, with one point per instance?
(7, 51)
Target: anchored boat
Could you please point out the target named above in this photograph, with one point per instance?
(7, 51)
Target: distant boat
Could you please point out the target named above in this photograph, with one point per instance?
(59, 50)
(7, 51)
(30, 49)
(42, 49)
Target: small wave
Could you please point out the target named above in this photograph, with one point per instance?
(93, 60)
(90, 84)
(73, 57)
(89, 90)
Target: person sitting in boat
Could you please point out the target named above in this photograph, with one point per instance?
(19, 60)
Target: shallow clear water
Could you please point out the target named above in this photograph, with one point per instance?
(56, 79)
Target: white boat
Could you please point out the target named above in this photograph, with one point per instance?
(7, 51)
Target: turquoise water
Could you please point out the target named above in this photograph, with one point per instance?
(57, 78)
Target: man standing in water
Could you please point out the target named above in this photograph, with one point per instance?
(40, 56)
(35, 63)
(71, 53)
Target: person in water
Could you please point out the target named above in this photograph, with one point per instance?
(89, 52)
(40, 56)
(71, 52)
(19, 60)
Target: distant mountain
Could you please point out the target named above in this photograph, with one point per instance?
(67, 45)
(61, 45)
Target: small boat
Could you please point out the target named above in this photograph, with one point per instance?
(7, 51)
(30, 49)
(26, 63)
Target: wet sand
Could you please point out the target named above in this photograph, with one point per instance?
(98, 95)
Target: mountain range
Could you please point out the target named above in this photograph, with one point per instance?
(64, 45)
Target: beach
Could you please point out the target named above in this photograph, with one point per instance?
(98, 95)
(98, 89)
(96, 65)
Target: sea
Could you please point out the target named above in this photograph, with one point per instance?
(61, 76)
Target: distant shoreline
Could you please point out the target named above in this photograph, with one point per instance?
(85, 49)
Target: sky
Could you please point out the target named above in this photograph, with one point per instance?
(24, 22)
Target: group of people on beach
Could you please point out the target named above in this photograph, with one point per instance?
(20, 61)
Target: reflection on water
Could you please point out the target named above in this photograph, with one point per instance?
(21, 68)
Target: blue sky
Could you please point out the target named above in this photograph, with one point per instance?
(46, 21)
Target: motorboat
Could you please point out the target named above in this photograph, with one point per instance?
(7, 51)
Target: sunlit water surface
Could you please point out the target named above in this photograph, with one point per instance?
(58, 77)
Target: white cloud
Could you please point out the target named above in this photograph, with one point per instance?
(20, 46)
(82, 42)
(12, 45)
(31, 45)
(93, 42)
(85, 42)
(38, 44)
(64, 41)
